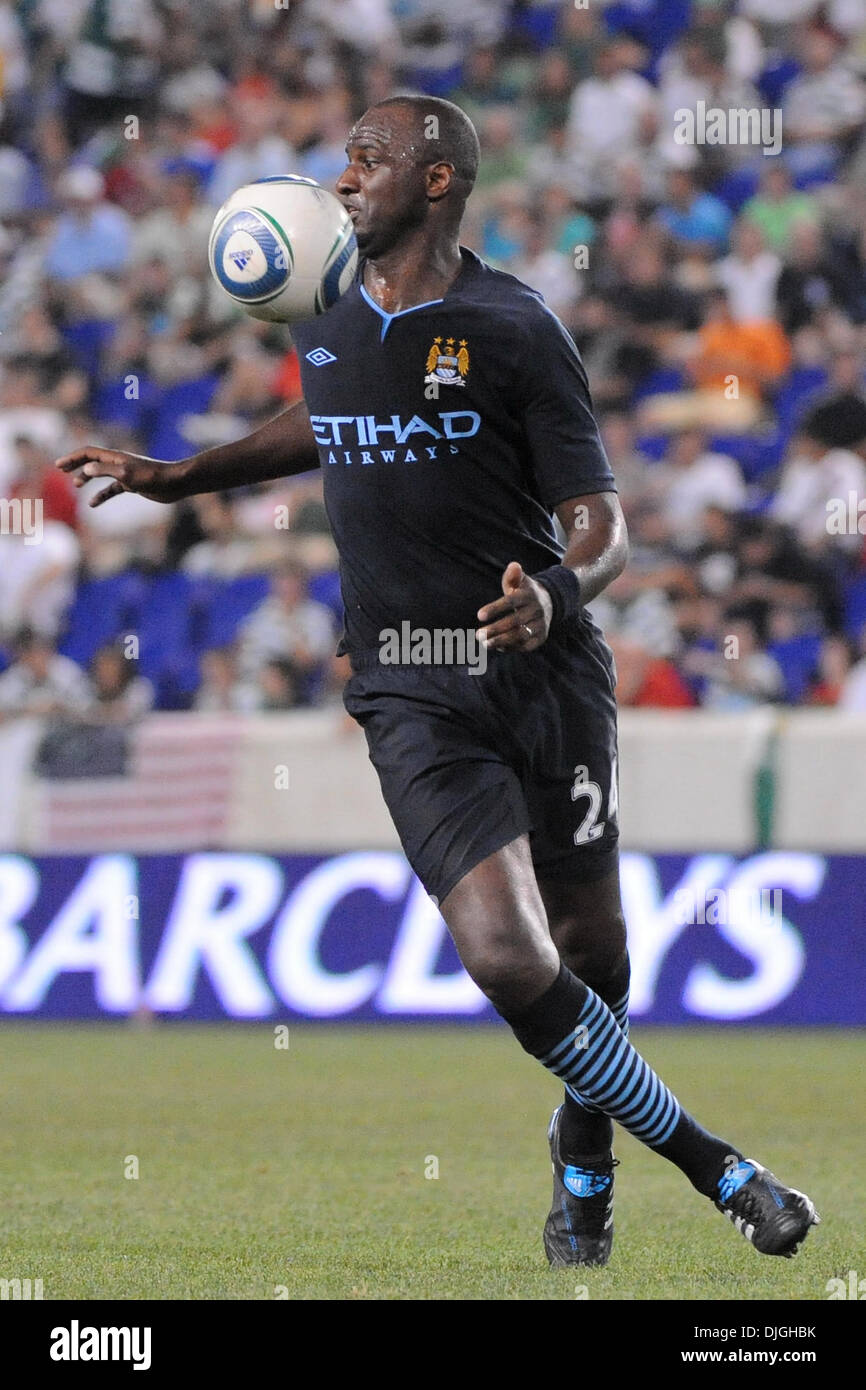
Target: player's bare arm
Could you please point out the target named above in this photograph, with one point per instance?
(279, 449)
(596, 553)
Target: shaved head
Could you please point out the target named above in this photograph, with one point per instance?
(441, 133)
(412, 164)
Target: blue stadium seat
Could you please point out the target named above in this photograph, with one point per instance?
(737, 187)
(233, 601)
(85, 339)
(756, 455)
(112, 406)
(102, 611)
(855, 606)
(325, 588)
(656, 23)
(436, 82)
(662, 380)
(798, 658)
(166, 441)
(653, 446)
(163, 625)
(539, 22)
(780, 70)
(793, 396)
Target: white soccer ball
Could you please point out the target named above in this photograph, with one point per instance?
(283, 248)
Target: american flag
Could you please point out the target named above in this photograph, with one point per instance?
(175, 795)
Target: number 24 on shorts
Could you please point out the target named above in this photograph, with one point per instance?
(591, 828)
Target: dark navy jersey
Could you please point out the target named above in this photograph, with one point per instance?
(447, 433)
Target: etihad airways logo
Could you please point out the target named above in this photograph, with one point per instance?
(362, 438)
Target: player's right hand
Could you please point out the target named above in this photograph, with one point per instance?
(131, 473)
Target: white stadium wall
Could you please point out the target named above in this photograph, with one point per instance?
(302, 783)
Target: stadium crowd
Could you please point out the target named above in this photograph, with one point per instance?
(717, 292)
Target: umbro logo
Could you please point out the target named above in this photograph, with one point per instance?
(320, 356)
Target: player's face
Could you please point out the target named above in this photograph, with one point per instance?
(382, 186)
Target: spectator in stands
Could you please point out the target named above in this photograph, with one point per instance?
(36, 478)
(503, 158)
(92, 236)
(823, 106)
(750, 274)
(777, 206)
(225, 552)
(834, 665)
(24, 411)
(809, 283)
(260, 151)
(121, 696)
(813, 479)
(35, 340)
(732, 365)
(652, 311)
(691, 478)
(42, 683)
(756, 351)
(38, 565)
(288, 625)
(645, 681)
(485, 83)
(549, 95)
(640, 605)
(176, 232)
(838, 417)
(221, 690)
(773, 567)
(696, 220)
(606, 114)
(715, 558)
(547, 270)
(739, 675)
(631, 469)
(112, 59)
(281, 686)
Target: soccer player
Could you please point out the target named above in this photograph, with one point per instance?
(449, 412)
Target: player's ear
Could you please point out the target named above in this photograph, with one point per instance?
(439, 179)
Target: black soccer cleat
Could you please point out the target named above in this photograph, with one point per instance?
(579, 1229)
(776, 1219)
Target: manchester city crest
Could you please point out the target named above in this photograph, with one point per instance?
(445, 366)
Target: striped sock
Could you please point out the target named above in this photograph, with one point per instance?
(585, 1132)
(573, 1033)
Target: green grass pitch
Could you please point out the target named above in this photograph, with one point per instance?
(301, 1172)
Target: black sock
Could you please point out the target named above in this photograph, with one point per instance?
(573, 1033)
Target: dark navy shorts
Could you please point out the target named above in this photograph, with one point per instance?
(469, 762)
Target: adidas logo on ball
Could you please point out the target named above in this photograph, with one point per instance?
(241, 258)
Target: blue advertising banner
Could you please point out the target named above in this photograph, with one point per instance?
(775, 938)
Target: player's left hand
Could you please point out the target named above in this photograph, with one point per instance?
(520, 621)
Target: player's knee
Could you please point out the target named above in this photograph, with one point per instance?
(595, 948)
(509, 974)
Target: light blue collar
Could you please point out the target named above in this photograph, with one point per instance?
(388, 319)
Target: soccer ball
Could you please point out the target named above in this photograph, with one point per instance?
(283, 248)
